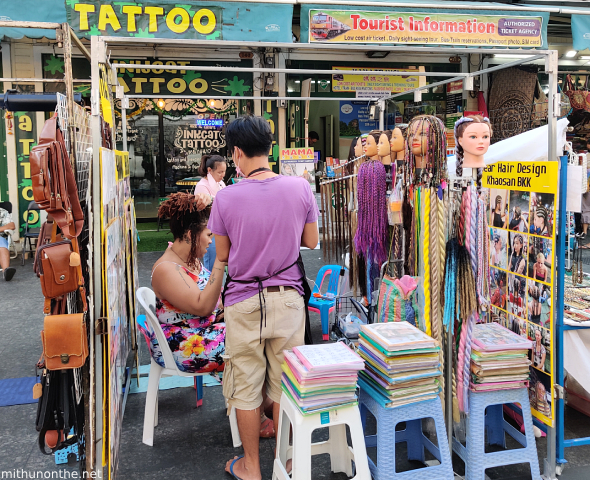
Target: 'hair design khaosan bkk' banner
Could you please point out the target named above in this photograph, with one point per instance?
(188, 20)
(354, 26)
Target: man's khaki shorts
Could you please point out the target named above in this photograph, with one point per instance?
(248, 361)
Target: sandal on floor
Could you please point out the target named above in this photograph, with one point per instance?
(231, 467)
(267, 429)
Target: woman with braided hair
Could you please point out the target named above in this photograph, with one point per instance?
(539, 224)
(188, 303)
(517, 262)
(472, 140)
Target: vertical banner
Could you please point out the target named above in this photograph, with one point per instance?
(26, 135)
(522, 208)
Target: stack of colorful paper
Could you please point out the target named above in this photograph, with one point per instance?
(321, 377)
(402, 363)
(499, 358)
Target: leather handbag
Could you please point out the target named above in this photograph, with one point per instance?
(65, 341)
(54, 185)
(57, 266)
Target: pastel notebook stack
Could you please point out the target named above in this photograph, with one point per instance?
(499, 358)
(402, 363)
(321, 377)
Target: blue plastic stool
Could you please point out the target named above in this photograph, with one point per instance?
(473, 454)
(387, 438)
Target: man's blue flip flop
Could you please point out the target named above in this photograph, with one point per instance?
(231, 467)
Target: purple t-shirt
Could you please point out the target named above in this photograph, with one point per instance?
(264, 220)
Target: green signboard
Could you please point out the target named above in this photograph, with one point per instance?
(172, 79)
(189, 20)
(26, 135)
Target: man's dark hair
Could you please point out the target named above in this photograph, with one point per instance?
(313, 135)
(251, 134)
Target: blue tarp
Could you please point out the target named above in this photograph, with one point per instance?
(52, 11)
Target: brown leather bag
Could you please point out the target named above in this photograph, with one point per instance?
(65, 341)
(57, 266)
(54, 185)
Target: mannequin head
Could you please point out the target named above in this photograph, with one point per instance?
(371, 145)
(358, 148)
(384, 148)
(398, 141)
(472, 137)
(352, 149)
(426, 148)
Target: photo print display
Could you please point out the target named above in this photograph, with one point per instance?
(540, 255)
(517, 252)
(498, 288)
(517, 295)
(498, 208)
(498, 248)
(518, 217)
(542, 212)
(539, 303)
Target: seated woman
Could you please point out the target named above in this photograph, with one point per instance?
(188, 303)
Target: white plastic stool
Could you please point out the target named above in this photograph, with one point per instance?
(341, 455)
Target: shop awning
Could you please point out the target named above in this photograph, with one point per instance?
(51, 11)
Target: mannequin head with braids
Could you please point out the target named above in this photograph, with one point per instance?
(426, 150)
(188, 226)
(384, 147)
(472, 139)
(371, 145)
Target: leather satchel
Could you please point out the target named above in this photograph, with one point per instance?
(65, 341)
(54, 185)
(57, 266)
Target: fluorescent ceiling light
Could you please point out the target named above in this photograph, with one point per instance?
(508, 55)
(571, 53)
(584, 57)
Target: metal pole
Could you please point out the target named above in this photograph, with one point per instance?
(124, 103)
(381, 104)
(161, 159)
(68, 76)
(549, 470)
(98, 53)
(294, 71)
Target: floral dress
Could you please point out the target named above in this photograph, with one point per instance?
(197, 343)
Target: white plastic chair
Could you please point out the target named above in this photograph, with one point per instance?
(147, 299)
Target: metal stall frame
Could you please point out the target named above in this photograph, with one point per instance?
(101, 45)
(68, 39)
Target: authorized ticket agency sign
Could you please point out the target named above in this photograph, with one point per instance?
(353, 26)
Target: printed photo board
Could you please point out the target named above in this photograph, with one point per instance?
(522, 212)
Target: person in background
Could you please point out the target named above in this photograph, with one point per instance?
(259, 225)
(312, 138)
(212, 169)
(499, 219)
(6, 228)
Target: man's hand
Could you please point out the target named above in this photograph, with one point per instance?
(203, 200)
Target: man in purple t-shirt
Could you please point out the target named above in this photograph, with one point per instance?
(259, 226)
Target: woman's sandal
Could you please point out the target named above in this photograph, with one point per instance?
(267, 429)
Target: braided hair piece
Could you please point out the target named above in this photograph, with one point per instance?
(370, 239)
(436, 151)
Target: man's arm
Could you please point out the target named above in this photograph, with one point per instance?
(8, 226)
(222, 245)
(309, 237)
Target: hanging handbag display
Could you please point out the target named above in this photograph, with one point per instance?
(577, 97)
(65, 341)
(53, 182)
(57, 266)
